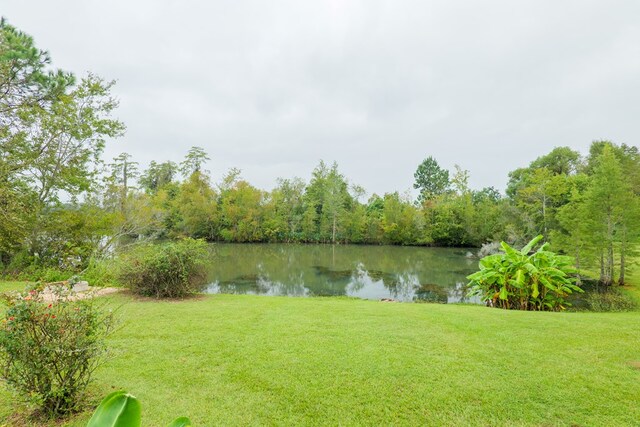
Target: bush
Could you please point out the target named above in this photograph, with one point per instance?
(518, 279)
(166, 270)
(99, 272)
(24, 266)
(49, 350)
(610, 300)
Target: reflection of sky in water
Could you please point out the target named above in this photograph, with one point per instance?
(370, 272)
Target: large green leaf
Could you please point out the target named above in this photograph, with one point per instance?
(543, 249)
(519, 278)
(532, 269)
(547, 284)
(119, 409)
(490, 261)
(530, 245)
(180, 422)
(478, 275)
(512, 254)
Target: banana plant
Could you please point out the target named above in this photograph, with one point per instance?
(121, 409)
(525, 280)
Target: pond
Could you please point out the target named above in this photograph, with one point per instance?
(370, 272)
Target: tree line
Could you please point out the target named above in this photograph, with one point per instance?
(61, 204)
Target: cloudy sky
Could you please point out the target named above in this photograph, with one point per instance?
(272, 87)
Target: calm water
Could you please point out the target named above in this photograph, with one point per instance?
(371, 272)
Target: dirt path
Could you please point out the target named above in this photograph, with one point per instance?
(49, 296)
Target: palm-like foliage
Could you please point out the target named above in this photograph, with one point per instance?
(120, 409)
(522, 280)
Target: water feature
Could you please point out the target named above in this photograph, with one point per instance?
(370, 272)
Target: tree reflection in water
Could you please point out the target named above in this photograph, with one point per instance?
(373, 272)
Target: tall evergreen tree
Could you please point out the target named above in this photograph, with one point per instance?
(430, 179)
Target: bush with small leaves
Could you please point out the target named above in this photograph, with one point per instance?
(165, 270)
(49, 348)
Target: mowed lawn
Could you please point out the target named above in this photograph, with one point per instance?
(246, 360)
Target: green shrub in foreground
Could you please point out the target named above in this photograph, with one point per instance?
(165, 270)
(518, 279)
(49, 350)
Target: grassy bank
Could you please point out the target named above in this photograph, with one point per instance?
(633, 288)
(12, 286)
(240, 360)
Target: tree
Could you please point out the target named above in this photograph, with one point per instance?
(157, 176)
(401, 221)
(431, 179)
(460, 181)
(123, 171)
(336, 198)
(52, 132)
(195, 208)
(314, 202)
(573, 234)
(374, 216)
(607, 200)
(561, 160)
(541, 195)
(25, 80)
(193, 161)
(16, 216)
(284, 211)
(241, 213)
(488, 222)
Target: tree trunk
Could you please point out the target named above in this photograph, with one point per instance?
(123, 195)
(623, 249)
(609, 265)
(333, 230)
(578, 278)
(544, 215)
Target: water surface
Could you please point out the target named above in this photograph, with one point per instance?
(371, 272)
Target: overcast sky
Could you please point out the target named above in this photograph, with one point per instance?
(272, 87)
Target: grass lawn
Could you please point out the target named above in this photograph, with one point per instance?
(247, 360)
(12, 286)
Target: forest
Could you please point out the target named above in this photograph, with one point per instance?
(63, 205)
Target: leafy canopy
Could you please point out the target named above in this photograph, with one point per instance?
(431, 179)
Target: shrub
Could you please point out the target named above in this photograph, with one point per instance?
(521, 280)
(49, 351)
(99, 272)
(26, 267)
(609, 300)
(166, 270)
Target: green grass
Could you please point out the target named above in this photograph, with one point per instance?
(633, 288)
(246, 360)
(12, 286)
